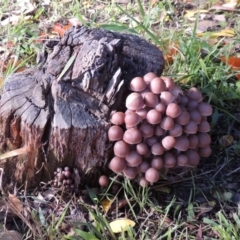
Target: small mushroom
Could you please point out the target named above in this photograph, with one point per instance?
(130, 172)
(183, 118)
(153, 116)
(142, 148)
(157, 163)
(182, 160)
(176, 131)
(142, 112)
(167, 97)
(146, 129)
(103, 181)
(149, 77)
(169, 161)
(152, 175)
(205, 109)
(118, 118)
(143, 182)
(115, 133)
(194, 94)
(133, 159)
(159, 131)
(160, 107)
(167, 123)
(204, 140)
(173, 110)
(150, 99)
(121, 149)
(132, 136)
(193, 157)
(134, 101)
(144, 166)
(192, 104)
(132, 119)
(204, 126)
(157, 149)
(190, 128)
(182, 143)
(117, 164)
(157, 85)
(137, 84)
(193, 141)
(195, 116)
(184, 100)
(151, 141)
(205, 152)
(168, 142)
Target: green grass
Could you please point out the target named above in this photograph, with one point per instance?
(203, 202)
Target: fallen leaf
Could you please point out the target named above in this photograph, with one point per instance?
(171, 53)
(14, 153)
(15, 203)
(205, 207)
(60, 29)
(121, 225)
(206, 25)
(106, 204)
(224, 33)
(190, 15)
(226, 140)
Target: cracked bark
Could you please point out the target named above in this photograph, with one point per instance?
(65, 122)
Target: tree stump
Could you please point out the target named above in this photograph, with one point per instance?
(59, 111)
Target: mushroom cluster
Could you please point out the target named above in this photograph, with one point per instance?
(63, 178)
(162, 128)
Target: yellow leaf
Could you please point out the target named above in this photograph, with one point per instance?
(226, 140)
(15, 203)
(121, 225)
(224, 33)
(191, 14)
(106, 204)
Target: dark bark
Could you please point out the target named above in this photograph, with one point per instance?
(64, 120)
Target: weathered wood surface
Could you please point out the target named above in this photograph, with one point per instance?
(64, 121)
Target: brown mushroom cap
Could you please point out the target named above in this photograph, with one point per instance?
(176, 131)
(192, 104)
(132, 136)
(205, 152)
(146, 129)
(132, 119)
(160, 107)
(142, 148)
(153, 116)
(143, 182)
(130, 172)
(149, 77)
(152, 175)
(150, 99)
(182, 143)
(167, 123)
(121, 149)
(193, 140)
(117, 164)
(157, 149)
(176, 91)
(169, 161)
(134, 101)
(204, 126)
(173, 110)
(204, 140)
(133, 159)
(115, 133)
(103, 181)
(167, 97)
(182, 160)
(194, 94)
(168, 142)
(159, 131)
(118, 118)
(151, 141)
(190, 128)
(157, 85)
(205, 109)
(144, 166)
(193, 157)
(142, 112)
(157, 163)
(195, 116)
(137, 84)
(184, 100)
(168, 82)
(183, 118)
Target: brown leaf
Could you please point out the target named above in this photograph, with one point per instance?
(15, 203)
(199, 234)
(226, 140)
